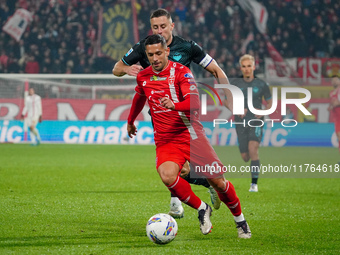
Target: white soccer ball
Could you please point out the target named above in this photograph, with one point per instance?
(161, 228)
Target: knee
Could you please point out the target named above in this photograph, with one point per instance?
(245, 157)
(219, 184)
(167, 179)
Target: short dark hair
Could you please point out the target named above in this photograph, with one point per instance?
(154, 39)
(160, 13)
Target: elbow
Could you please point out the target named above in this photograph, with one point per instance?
(115, 72)
(195, 104)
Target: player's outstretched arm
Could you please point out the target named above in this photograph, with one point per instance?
(222, 78)
(138, 103)
(120, 69)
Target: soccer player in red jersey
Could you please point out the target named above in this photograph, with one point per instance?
(334, 105)
(184, 52)
(179, 136)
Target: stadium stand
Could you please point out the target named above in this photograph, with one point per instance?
(62, 36)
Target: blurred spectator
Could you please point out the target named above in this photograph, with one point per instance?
(336, 50)
(12, 65)
(3, 60)
(32, 66)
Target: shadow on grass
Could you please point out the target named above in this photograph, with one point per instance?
(71, 240)
(125, 191)
(113, 234)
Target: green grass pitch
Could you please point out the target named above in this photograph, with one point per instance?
(96, 199)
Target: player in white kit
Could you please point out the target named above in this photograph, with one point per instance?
(32, 113)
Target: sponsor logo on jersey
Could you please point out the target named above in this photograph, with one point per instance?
(172, 75)
(177, 56)
(159, 91)
(188, 75)
(128, 53)
(157, 78)
(193, 87)
(255, 89)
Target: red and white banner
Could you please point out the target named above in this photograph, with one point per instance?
(245, 43)
(74, 109)
(272, 75)
(258, 11)
(281, 67)
(16, 25)
(318, 71)
(311, 71)
(114, 110)
(260, 16)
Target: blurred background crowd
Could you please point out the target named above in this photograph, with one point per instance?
(62, 37)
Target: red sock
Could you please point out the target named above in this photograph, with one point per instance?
(182, 189)
(229, 197)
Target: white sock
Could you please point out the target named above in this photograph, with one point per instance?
(32, 137)
(203, 206)
(37, 134)
(239, 218)
(175, 201)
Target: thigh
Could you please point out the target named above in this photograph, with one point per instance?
(337, 126)
(168, 171)
(255, 134)
(243, 138)
(204, 160)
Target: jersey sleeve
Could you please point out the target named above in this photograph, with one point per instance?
(24, 111)
(187, 82)
(134, 55)
(39, 104)
(199, 56)
(266, 93)
(189, 91)
(139, 88)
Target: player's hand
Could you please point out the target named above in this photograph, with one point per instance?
(132, 130)
(134, 70)
(40, 119)
(167, 103)
(334, 103)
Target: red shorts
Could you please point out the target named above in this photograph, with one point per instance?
(171, 152)
(203, 159)
(337, 126)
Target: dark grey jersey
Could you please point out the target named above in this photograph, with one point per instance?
(260, 90)
(181, 51)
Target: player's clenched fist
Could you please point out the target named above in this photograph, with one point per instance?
(167, 103)
(132, 130)
(134, 70)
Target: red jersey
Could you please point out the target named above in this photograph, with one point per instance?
(335, 95)
(176, 83)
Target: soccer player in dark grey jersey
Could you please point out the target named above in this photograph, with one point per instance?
(249, 137)
(184, 52)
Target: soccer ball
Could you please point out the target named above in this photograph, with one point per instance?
(161, 228)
